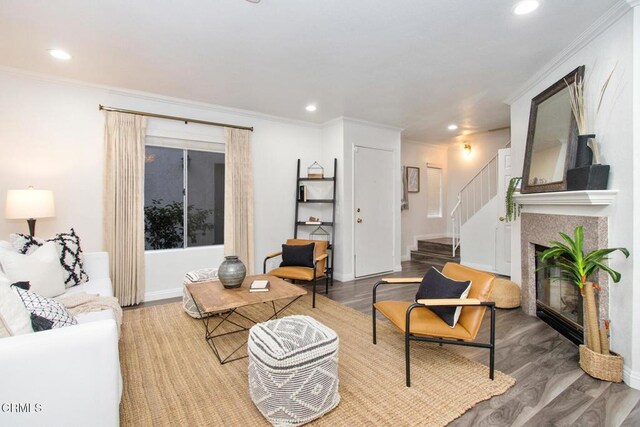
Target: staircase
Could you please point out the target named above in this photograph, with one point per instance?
(435, 252)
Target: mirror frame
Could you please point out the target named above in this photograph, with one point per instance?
(572, 141)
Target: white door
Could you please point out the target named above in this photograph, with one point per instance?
(503, 230)
(374, 203)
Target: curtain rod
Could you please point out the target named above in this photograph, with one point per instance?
(180, 119)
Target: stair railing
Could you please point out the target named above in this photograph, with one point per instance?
(456, 224)
(474, 195)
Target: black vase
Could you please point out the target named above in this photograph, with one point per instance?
(584, 155)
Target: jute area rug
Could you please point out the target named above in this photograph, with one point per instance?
(172, 378)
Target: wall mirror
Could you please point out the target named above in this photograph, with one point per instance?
(552, 138)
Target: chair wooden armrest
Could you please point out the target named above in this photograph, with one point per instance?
(273, 255)
(401, 279)
(394, 280)
(454, 302)
(321, 257)
(268, 257)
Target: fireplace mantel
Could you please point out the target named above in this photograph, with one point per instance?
(573, 198)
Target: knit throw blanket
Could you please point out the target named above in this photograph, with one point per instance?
(83, 302)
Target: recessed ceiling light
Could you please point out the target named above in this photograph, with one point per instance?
(59, 54)
(526, 6)
(452, 127)
(311, 108)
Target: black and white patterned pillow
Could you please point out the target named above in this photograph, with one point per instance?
(25, 244)
(47, 308)
(69, 250)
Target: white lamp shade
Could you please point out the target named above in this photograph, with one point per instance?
(30, 203)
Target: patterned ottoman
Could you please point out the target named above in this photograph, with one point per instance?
(293, 370)
(202, 275)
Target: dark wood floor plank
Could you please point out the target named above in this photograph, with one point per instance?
(612, 407)
(569, 405)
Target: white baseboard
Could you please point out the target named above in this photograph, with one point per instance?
(341, 277)
(631, 378)
(158, 295)
(397, 267)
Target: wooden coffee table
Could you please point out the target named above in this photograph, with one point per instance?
(213, 298)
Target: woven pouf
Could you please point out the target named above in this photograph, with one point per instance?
(202, 275)
(293, 370)
(506, 294)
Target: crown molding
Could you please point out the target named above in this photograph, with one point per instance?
(372, 124)
(598, 27)
(434, 145)
(147, 96)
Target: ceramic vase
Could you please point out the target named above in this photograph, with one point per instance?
(584, 155)
(231, 272)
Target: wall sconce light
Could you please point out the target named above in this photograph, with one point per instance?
(467, 150)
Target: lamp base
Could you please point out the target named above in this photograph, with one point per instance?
(32, 226)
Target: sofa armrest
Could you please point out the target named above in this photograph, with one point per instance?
(96, 264)
(68, 376)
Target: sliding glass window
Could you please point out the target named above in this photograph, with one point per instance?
(183, 196)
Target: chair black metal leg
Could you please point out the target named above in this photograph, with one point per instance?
(492, 349)
(313, 298)
(326, 285)
(373, 315)
(407, 361)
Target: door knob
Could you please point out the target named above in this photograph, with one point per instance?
(359, 220)
(502, 218)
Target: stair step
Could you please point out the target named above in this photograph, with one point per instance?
(436, 246)
(437, 259)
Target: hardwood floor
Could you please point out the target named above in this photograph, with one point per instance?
(551, 389)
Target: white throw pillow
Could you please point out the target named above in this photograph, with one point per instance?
(41, 269)
(4, 280)
(15, 319)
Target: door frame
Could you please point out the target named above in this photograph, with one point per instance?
(395, 212)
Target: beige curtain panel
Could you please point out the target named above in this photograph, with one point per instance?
(238, 197)
(124, 204)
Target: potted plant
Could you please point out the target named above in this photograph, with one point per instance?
(569, 257)
(512, 209)
(588, 173)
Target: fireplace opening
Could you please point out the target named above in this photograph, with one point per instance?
(558, 301)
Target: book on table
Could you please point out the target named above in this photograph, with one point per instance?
(259, 286)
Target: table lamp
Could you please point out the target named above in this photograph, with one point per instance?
(29, 204)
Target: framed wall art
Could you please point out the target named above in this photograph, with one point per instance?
(413, 179)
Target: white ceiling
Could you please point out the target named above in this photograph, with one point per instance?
(414, 64)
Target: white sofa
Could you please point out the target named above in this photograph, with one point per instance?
(68, 376)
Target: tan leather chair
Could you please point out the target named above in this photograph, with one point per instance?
(418, 323)
(306, 274)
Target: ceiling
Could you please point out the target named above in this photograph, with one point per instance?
(415, 64)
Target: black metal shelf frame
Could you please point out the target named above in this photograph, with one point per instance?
(331, 201)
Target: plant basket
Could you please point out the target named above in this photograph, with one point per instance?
(606, 367)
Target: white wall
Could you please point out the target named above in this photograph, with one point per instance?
(462, 169)
(415, 223)
(478, 237)
(51, 137)
(614, 130)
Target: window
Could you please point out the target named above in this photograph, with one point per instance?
(183, 195)
(434, 191)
